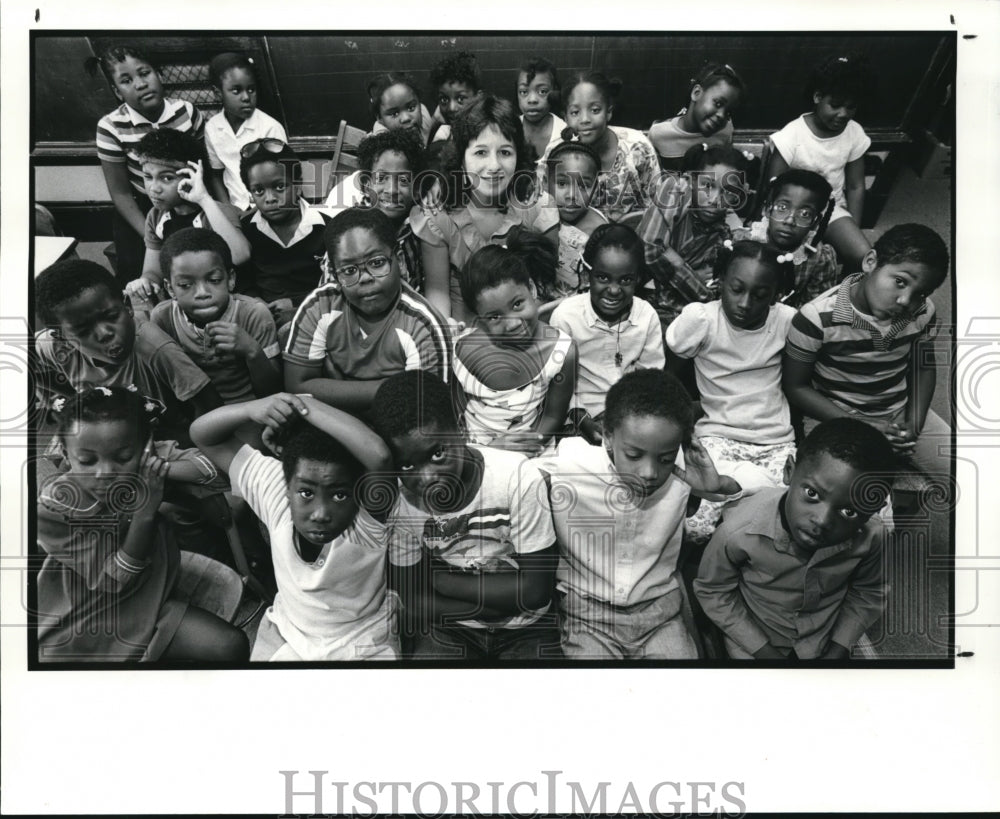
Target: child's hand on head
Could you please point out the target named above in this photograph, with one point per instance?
(700, 472)
(192, 187)
(276, 410)
(229, 337)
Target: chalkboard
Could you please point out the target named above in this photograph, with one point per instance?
(311, 82)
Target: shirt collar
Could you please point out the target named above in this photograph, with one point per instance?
(594, 320)
(844, 312)
(229, 314)
(167, 215)
(170, 107)
(311, 217)
(766, 522)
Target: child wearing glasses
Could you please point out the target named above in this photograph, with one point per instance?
(351, 334)
(284, 231)
(797, 208)
(827, 140)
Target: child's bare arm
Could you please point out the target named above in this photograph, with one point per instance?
(352, 396)
(796, 381)
(120, 189)
(215, 432)
(527, 588)
(776, 165)
(437, 276)
(193, 190)
(558, 397)
(139, 540)
(922, 383)
(854, 187)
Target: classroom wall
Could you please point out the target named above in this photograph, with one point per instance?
(320, 79)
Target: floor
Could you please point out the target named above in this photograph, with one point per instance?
(912, 628)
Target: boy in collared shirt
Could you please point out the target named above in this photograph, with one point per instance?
(619, 515)
(796, 573)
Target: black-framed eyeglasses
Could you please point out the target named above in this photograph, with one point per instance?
(269, 144)
(803, 217)
(377, 266)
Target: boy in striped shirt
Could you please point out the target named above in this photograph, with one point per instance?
(865, 348)
(472, 546)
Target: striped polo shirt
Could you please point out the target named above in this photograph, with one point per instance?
(325, 331)
(119, 132)
(229, 374)
(857, 364)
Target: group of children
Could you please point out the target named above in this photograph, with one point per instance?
(473, 444)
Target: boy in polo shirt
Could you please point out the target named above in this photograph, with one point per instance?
(850, 351)
(350, 335)
(232, 338)
(328, 533)
(619, 515)
(284, 231)
(796, 572)
(92, 340)
(174, 177)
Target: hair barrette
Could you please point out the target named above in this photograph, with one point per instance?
(132, 388)
(105, 391)
(784, 257)
(841, 59)
(250, 60)
(728, 67)
(59, 404)
(728, 244)
(786, 298)
(748, 155)
(704, 146)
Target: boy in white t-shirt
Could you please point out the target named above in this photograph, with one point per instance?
(327, 531)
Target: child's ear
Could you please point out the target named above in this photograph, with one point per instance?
(168, 287)
(611, 110)
(870, 261)
(127, 301)
(696, 92)
(231, 278)
(817, 97)
(786, 472)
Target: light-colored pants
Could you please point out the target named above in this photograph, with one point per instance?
(653, 630)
